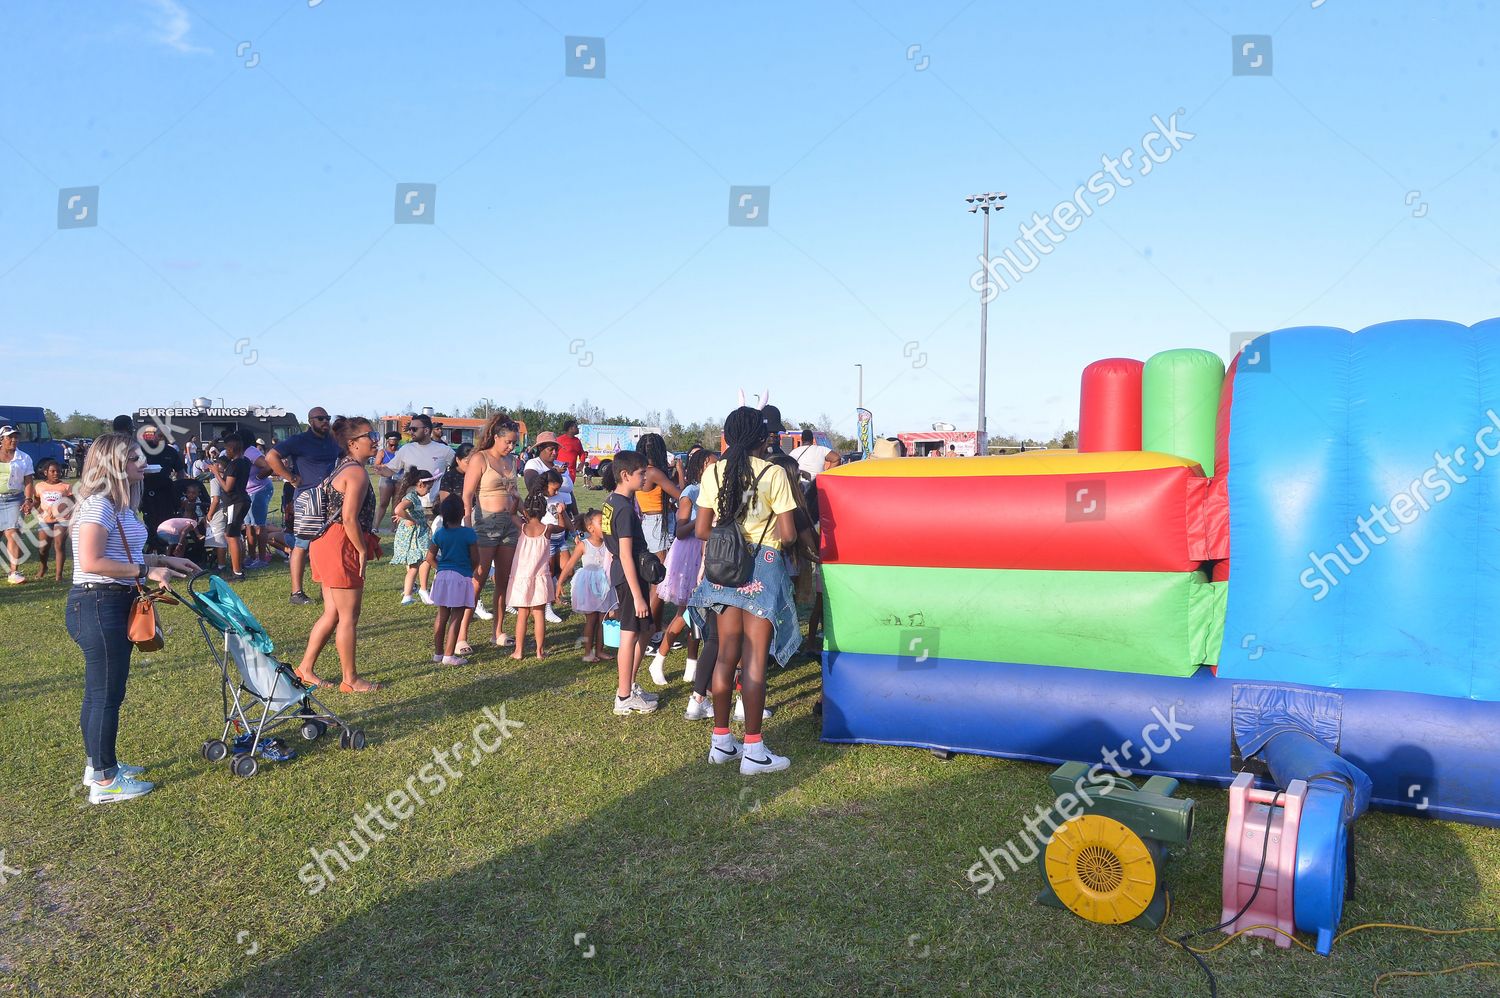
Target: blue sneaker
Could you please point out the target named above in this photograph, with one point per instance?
(131, 771)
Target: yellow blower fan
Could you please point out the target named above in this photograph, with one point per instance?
(1103, 863)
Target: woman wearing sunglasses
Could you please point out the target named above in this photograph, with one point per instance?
(339, 556)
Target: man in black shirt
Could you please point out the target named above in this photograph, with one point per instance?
(235, 499)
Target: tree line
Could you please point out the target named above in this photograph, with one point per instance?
(537, 417)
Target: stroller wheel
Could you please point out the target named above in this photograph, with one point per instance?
(244, 765)
(313, 730)
(352, 738)
(213, 750)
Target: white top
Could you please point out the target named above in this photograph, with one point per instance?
(20, 466)
(432, 457)
(564, 494)
(98, 509)
(809, 458)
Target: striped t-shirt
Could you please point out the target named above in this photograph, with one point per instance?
(98, 509)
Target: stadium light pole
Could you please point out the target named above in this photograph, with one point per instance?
(861, 369)
(984, 203)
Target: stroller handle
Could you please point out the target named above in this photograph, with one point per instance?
(191, 582)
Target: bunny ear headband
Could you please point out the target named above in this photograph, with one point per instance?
(765, 399)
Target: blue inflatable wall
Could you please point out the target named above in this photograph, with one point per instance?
(1365, 569)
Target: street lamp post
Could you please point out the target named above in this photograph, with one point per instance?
(861, 369)
(984, 203)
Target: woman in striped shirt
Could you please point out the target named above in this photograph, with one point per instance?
(109, 559)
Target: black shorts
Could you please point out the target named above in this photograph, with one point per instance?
(236, 512)
(628, 620)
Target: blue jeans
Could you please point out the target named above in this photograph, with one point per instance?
(96, 620)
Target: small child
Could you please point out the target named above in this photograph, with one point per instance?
(552, 487)
(214, 534)
(412, 533)
(531, 586)
(452, 552)
(592, 594)
(54, 508)
(684, 567)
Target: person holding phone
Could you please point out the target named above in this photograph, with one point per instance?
(109, 560)
(339, 556)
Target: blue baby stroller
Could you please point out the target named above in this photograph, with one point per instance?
(259, 692)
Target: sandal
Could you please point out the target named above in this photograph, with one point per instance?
(312, 682)
(464, 649)
(369, 687)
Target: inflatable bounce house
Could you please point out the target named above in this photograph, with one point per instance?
(1308, 544)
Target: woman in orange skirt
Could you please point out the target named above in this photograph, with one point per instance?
(339, 556)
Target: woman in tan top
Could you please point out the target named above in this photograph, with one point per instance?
(491, 497)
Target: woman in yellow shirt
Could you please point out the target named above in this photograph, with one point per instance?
(758, 619)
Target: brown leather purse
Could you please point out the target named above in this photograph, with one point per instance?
(141, 625)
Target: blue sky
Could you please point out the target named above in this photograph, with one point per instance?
(245, 244)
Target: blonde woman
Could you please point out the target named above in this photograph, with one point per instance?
(491, 497)
(109, 558)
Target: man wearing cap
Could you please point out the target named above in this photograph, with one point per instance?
(159, 489)
(17, 496)
(423, 452)
(302, 460)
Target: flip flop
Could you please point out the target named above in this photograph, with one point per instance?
(373, 687)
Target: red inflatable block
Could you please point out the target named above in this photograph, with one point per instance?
(1154, 520)
(1109, 406)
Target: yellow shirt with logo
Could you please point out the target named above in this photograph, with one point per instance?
(772, 496)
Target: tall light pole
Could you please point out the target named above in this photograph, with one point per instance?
(984, 203)
(861, 369)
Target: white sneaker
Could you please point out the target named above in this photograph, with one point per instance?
(16, 579)
(636, 689)
(425, 596)
(739, 710)
(726, 748)
(634, 704)
(483, 612)
(699, 709)
(760, 759)
(689, 670)
(551, 615)
(88, 771)
(657, 675)
(408, 600)
(121, 788)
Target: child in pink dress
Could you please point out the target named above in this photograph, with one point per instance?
(531, 587)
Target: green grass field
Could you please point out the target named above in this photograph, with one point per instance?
(592, 854)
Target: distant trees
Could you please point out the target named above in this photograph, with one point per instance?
(77, 424)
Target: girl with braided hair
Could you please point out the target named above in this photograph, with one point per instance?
(662, 480)
(756, 620)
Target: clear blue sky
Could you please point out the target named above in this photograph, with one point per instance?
(253, 207)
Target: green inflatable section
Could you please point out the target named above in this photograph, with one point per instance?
(1163, 623)
(1180, 404)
